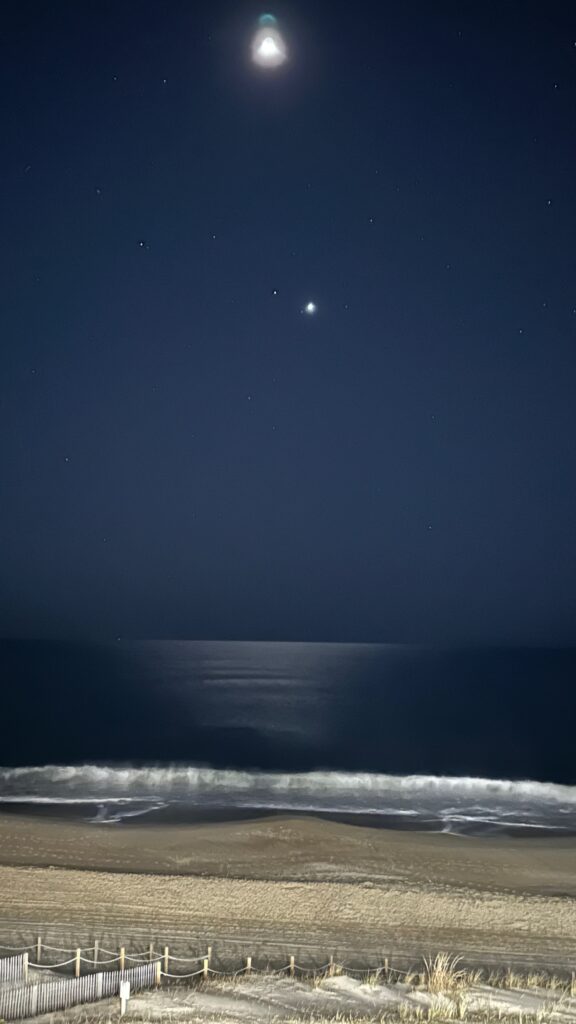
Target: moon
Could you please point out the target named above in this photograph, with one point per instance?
(268, 46)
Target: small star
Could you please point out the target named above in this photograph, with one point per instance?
(274, 291)
(448, 266)
(310, 308)
(371, 220)
(115, 78)
(98, 191)
(213, 236)
(27, 168)
(548, 202)
(66, 458)
(429, 527)
(521, 331)
(249, 398)
(33, 370)
(164, 80)
(143, 244)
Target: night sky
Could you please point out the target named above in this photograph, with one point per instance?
(187, 452)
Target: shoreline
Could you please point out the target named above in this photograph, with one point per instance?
(287, 847)
(128, 815)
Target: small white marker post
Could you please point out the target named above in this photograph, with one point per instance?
(124, 996)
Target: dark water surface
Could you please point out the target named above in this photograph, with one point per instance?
(426, 736)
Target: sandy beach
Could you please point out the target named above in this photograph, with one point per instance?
(270, 885)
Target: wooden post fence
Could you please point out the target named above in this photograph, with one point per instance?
(205, 967)
(209, 953)
(25, 966)
(292, 966)
(39, 950)
(122, 957)
(77, 963)
(331, 966)
(151, 951)
(248, 965)
(158, 977)
(96, 951)
(166, 959)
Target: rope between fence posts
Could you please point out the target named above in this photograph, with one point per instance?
(55, 949)
(155, 958)
(192, 975)
(48, 967)
(112, 952)
(189, 959)
(90, 960)
(18, 949)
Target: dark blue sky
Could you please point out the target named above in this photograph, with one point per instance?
(184, 452)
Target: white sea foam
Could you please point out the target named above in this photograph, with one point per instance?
(443, 797)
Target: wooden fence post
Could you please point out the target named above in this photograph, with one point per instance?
(25, 966)
(158, 973)
(386, 966)
(151, 951)
(77, 963)
(209, 953)
(205, 967)
(331, 966)
(248, 965)
(122, 957)
(292, 966)
(166, 959)
(96, 951)
(39, 949)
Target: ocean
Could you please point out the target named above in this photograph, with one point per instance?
(468, 741)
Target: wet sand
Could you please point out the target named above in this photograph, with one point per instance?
(288, 883)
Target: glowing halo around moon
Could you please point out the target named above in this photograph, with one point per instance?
(268, 46)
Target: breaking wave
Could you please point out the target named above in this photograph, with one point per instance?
(452, 801)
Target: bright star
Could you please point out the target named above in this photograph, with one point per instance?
(310, 308)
